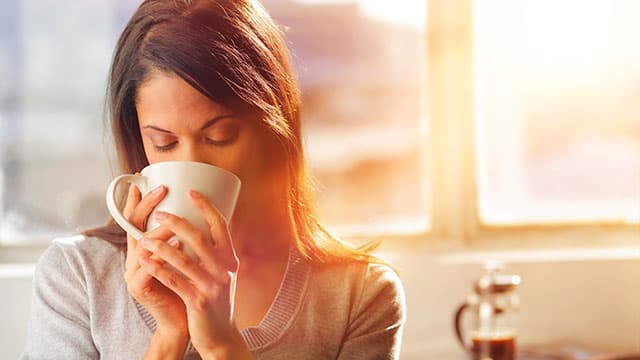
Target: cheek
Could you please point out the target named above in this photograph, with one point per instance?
(247, 166)
(244, 158)
(255, 169)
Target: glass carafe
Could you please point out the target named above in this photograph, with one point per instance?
(493, 306)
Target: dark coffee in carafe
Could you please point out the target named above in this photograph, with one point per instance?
(494, 348)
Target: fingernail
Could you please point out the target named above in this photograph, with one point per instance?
(145, 242)
(194, 194)
(160, 215)
(157, 190)
(174, 242)
(144, 261)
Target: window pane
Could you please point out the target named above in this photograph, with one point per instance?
(558, 122)
(361, 68)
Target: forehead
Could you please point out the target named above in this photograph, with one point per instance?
(166, 100)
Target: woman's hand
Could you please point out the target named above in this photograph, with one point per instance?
(163, 304)
(206, 285)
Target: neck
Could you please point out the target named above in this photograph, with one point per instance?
(266, 237)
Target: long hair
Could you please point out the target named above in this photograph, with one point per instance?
(230, 51)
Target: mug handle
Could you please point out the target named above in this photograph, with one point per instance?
(141, 182)
(456, 324)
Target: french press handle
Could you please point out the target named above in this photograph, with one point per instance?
(457, 325)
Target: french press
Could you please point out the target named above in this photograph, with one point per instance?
(494, 308)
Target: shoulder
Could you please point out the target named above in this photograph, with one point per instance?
(73, 290)
(85, 244)
(365, 274)
(80, 248)
(382, 292)
(382, 276)
(367, 300)
(371, 286)
(78, 256)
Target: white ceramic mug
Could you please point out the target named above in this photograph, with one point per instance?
(220, 186)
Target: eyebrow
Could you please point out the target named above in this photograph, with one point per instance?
(206, 125)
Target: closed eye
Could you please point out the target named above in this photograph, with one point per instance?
(165, 148)
(222, 135)
(224, 142)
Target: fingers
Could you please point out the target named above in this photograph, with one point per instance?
(132, 264)
(172, 280)
(218, 228)
(137, 278)
(160, 232)
(192, 292)
(200, 243)
(137, 210)
(133, 198)
(191, 268)
(145, 206)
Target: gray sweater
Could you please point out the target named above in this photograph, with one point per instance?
(81, 309)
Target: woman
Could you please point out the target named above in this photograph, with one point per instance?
(210, 81)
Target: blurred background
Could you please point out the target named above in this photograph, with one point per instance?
(492, 128)
(360, 68)
(556, 124)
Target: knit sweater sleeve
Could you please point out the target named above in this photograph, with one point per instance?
(59, 326)
(375, 330)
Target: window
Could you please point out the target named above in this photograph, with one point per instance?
(534, 123)
(360, 66)
(53, 163)
(467, 123)
(557, 116)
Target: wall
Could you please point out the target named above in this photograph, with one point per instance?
(15, 287)
(592, 302)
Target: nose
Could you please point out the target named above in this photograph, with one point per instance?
(192, 151)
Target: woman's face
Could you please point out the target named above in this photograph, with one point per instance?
(178, 123)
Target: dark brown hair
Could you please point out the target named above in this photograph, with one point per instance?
(230, 51)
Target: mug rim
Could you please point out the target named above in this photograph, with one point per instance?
(197, 163)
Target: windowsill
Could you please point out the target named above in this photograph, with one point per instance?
(22, 254)
(522, 245)
(16, 271)
(540, 256)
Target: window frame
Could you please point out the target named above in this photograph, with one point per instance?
(455, 218)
